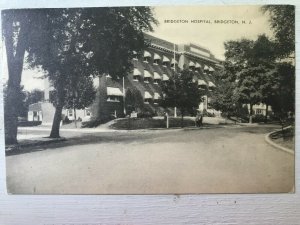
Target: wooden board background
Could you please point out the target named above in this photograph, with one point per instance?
(142, 209)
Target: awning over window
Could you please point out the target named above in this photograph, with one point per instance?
(147, 95)
(147, 73)
(156, 96)
(156, 56)
(211, 69)
(136, 72)
(211, 84)
(165, 77)
(201, 82)
(174, 61)
(147, 54)
(166, 59)
(157, 76)
(198, 65)
(191, 64)
(206, 67)
(111, 91)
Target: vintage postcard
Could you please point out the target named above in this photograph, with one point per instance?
(149, 100)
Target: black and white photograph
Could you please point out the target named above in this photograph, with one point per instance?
(149, 99)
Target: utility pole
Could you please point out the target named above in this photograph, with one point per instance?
(174, 57)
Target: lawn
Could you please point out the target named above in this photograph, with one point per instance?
(146, 123)
(285, 139)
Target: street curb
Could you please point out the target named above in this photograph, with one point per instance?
(269, 141)
(34, 143)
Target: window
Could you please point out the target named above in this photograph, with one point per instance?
(70, 113)
(147, 76)
(147, 97)
(87, 112)
(156, 81)
(136, 78)
(173, 63)
(165, 64)
(157, 58)
(136, 74)
(147, 56)
(135, 57)
(202, 87)
(156, 61)
(259, 111)
(191, 65)
(147, 79)
(112, 98)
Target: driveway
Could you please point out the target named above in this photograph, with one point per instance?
(220, 160)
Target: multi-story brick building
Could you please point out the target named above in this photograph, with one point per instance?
(155, 65)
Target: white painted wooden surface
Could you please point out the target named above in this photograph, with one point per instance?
(156, 209)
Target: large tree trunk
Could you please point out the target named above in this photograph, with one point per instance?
(266, 117)
(15, 67)
(58, 111)
(251, 113)
(11, 115)
(75, 119)
(182, 112)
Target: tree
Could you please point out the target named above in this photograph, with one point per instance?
(182, 92)
(283, 99)
(250, 64)
(34, 96)
(223, 99)
(21, 102)
(88, 42)
(18, 27)
(81, 96)
(282, 19)
(133, 100)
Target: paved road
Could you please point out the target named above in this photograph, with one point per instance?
(220, 160)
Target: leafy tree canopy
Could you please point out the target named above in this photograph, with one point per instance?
(134, 100)
(282, 19)
(182, 92)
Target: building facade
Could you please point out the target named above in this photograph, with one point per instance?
(155, 65)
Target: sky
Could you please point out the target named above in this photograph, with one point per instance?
(210, 35)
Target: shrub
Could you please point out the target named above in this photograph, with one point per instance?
(29, 123)
(258, 118)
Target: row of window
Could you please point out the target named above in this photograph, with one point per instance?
(113, 98)
(86, 112)
(165, 61)
(157, 59)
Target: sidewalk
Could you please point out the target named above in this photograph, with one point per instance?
(40, 141)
